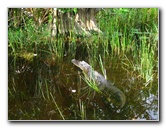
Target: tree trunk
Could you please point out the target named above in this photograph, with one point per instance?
(81, 23)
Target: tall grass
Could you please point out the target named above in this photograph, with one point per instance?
(82, 110)
(57, 107)
(126, 30)
(130, 33)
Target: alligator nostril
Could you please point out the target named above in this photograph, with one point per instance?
(72, 60)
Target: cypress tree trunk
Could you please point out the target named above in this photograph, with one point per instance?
(81, 23)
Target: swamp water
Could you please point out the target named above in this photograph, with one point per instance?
(46, 88)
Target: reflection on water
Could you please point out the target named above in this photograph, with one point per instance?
(46, 89)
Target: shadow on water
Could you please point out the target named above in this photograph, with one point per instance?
(48, 89)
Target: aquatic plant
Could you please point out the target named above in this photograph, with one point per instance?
(127, 49)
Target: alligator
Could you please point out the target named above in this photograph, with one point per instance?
(113, 93)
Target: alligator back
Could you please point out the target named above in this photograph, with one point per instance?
(109, 90)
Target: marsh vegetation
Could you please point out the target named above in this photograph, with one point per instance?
(43, 84)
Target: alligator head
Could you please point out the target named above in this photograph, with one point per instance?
(85, 67)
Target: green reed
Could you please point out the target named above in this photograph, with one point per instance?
(82, 108)
(91, 83)
(147, 60)
(102, 67)
(57, 107)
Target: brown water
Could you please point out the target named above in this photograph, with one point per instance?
(33, 83)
